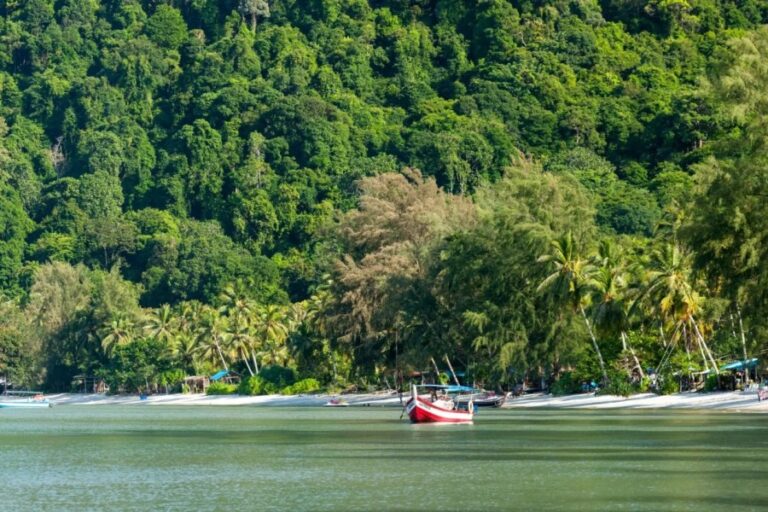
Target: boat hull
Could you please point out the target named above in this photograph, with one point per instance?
(24, 404)
(485, 400)
(420, 410)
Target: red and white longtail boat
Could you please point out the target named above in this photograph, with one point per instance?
(428, 409)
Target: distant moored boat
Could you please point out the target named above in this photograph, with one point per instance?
(336, 402)
(25, 402)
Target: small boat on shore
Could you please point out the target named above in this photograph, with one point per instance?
(23, 400)
(482, 398)
(337, 402)
(431, 408)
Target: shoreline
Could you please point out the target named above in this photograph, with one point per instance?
(734, 401)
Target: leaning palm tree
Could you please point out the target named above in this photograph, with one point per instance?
(242, 315)
(571, 282)
(243, 342)
(669, 288)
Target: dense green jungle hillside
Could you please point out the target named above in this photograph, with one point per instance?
(342, 189)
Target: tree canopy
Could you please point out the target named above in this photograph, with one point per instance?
(393, 179)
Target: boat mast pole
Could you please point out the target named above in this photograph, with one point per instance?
(437, 372)
(450, 367)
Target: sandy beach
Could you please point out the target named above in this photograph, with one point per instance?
(734, 401)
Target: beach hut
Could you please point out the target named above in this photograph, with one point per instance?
(741, 369)
(196, 383)
(88, 384)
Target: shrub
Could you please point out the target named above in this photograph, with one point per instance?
(252, 386)
(172, 379)
(220, 388)
(668, 384)
(565, 385)
(617, 384)
(644, 386)
(280, 376)
(302, 386)
(712, 383)
(256, 385)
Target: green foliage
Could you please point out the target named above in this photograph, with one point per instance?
(182, 146)
(140, 365)
(172, 379)
(668, 384)
(257, 385)
(712, 383)
(14, 227)
(280, 376)
(221, 388)
(253, 385)
(565, 385)
(302, 386)
(166, 27)
(618, 384)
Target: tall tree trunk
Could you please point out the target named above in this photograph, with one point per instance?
(743, 344)
(704, 344)
(244, 357)
(255, 364)
(703, 356)
(626, 345)
(253, 21)
(221, 355)
(594, 343)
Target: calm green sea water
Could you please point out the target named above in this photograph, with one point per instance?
(247, 458)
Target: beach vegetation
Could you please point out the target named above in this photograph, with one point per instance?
(349, 191)
(618, 384)
(221, 388)
(566, 384)
(302, 386)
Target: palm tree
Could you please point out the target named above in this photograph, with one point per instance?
(243, 343)
(160, 324)
(212, 335)
(670, 290)
(273, 329)
(235, 301)
(188, 316)
(185, 351)
(610, 307)
(242, 313)
(119, 331)
(571, 282)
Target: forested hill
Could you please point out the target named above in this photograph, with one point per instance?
(189, 144)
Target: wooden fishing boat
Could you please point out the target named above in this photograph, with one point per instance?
(431, 408)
